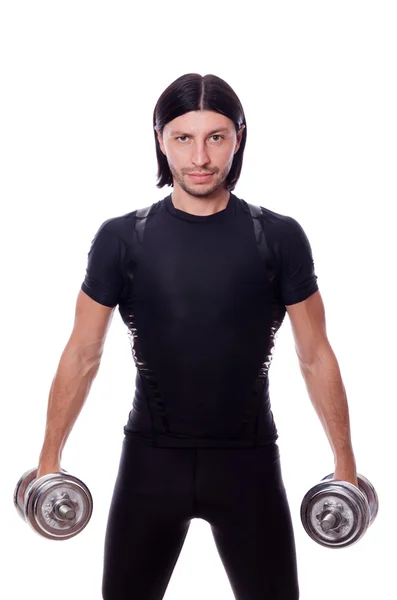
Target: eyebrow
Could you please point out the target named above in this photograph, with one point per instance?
(221, 129)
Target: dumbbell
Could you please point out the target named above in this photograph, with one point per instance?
(336, 513)
(57, 506)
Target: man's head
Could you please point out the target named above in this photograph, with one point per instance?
(199, 127)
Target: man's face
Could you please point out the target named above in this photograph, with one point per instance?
(200, 141)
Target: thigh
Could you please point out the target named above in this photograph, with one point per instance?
(253, 531)
(148, 522)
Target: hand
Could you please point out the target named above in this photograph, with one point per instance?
(45, 469)
(49, 462)
(346, 474)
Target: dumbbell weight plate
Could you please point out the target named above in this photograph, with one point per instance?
(353, 507)
(369, 492)
(49, 491)
(372, 497)
(20, 490)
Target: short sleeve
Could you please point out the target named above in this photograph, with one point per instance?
(298, 278)
(103, 279)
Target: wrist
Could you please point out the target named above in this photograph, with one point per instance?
(49, 458)
(345, 462)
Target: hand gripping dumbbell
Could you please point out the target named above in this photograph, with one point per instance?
(336, 513)
(57, 506)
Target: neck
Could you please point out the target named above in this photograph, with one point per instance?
(200, 206)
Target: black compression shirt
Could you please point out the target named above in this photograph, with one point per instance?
(202, 314)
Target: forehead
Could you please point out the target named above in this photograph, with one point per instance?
(200, 121)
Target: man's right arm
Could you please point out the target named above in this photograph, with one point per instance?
(77, 368)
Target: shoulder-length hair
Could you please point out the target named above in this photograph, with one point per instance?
(196, 92)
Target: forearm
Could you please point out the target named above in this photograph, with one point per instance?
(69, 390)
(328, 396)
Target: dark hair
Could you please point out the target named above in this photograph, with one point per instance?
(196, 92)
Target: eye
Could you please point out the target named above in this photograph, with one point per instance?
(215, 135)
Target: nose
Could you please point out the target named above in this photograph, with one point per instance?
(200, 155)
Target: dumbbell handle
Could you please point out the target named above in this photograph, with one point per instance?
(330, 521)
(64, 511)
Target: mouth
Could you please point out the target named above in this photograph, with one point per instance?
(201, 177)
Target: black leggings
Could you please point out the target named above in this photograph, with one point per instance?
(238, 491)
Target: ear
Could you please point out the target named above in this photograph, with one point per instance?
(160, 140)
(239, 137)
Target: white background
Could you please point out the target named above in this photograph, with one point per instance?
(79, 82)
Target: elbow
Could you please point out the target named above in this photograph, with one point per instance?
(86, 363)
(322, 355)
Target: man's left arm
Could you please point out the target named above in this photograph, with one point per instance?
(320, 370)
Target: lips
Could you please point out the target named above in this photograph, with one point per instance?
(203, 176)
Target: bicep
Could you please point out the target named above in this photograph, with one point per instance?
(91, 324)
(103, 281)
(298, 279)
(308, 324)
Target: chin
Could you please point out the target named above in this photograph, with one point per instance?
(201, 189)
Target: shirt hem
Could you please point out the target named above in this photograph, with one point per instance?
(170, 441)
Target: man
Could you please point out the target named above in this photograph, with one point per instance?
(203, 286)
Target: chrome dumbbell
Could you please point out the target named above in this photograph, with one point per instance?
(57, 506)
(336, 513)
